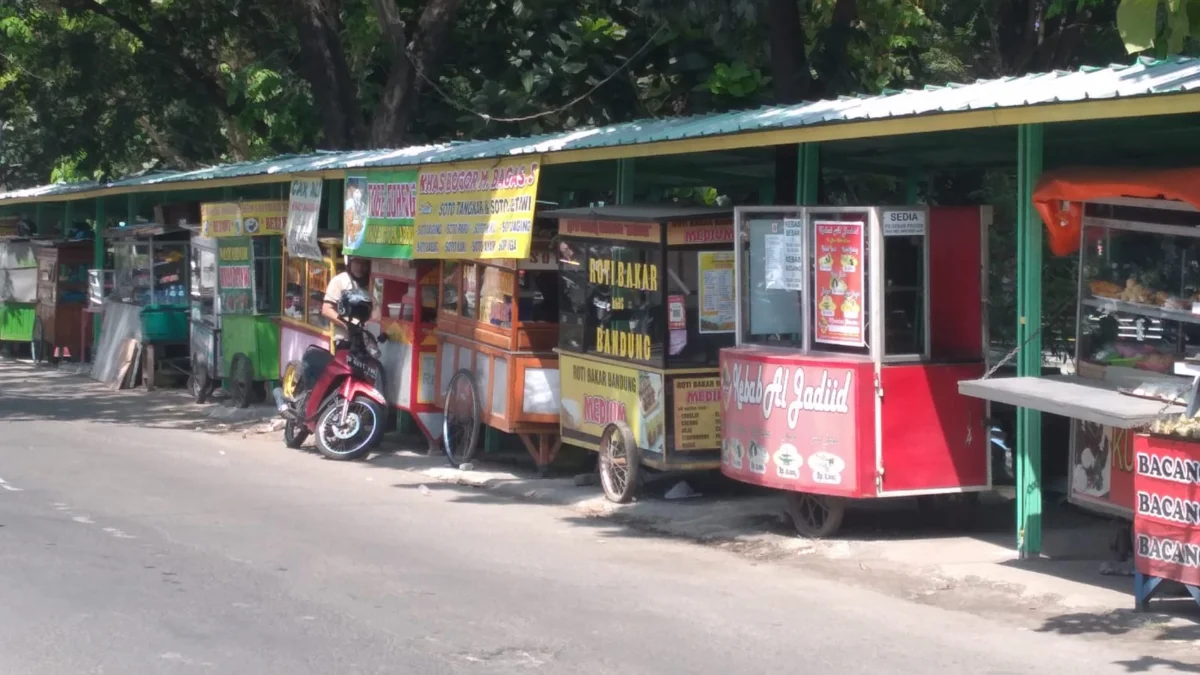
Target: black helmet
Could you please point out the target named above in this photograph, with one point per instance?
(355, 304)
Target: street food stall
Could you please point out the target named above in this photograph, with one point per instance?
(498, 326)
(18, 291)
(305, 280)
(236, 299)
(1137, 356)
(855, 326)
(147, 311)
(647, 302)
(60, 328)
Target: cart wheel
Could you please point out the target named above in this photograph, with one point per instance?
(460, 424)
(953, 511)
(620, 463)
(198, 383)
(815, 516)
(241, 380)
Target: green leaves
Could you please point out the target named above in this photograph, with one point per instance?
(1166, 26)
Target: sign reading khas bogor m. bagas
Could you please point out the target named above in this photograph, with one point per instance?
(304, 214)
(477, 210)
(377, 215)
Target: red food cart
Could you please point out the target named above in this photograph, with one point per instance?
(856, 325)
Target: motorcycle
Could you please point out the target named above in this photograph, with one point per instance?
(336, 397)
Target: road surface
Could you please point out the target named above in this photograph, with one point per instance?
(132, 549)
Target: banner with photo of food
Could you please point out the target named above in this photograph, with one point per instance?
(595, 394)
(378, 214)
(477, 210)
(840, 282)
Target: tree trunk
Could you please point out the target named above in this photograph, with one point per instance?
(323, 65)
(415, 62)
(791, 82)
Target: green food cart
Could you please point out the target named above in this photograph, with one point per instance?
(18, 291)
(236, 300)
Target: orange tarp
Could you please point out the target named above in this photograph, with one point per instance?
(1075, 186)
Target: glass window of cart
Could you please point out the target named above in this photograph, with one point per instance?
(622, 305)
(295, 295)
(496, 290)
(701, 308)
(1140, 284)
(451, 272)
(318, 281)
(904, 297)
(573, 296)
(204, 283)
(268, 252)
(470, 291)
(170, 274)
(773, 278)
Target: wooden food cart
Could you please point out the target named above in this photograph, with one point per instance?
(856, 325)
(60, 329)
(497, 328)
(236, 299)
(305, 281)
(647, 302)
(18, 292)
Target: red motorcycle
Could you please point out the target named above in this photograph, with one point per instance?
(337, 397)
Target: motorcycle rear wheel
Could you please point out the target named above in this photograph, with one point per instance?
(352, 438)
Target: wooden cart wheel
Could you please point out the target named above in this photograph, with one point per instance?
(198, 382)
(37, 344)
(815, 516)
(619, 463)
(461, 422)
(241, 380)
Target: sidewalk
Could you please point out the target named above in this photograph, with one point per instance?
(884, 545)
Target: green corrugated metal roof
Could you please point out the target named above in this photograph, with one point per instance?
(1144, 78)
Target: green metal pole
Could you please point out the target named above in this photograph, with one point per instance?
(1029, 357)
(333, 207)
(98, 259)
(808, 175)
(912, 186)
(65, 225)
(131, 210)
(37, 218)
(625, 181)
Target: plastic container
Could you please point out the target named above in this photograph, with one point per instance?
(163, 323)
(394, 309)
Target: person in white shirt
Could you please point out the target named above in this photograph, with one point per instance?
(356, 275)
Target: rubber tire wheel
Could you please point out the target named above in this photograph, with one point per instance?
(294, 434)
(198, 383)
(241, 381)
(953, 511)
(618, 434)
(476, 413)
(834, 512)
(363, 451)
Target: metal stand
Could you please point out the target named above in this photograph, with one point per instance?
(1146, 587)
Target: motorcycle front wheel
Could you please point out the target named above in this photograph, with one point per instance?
(350, 436)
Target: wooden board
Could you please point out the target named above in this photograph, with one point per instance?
(1073, 397)
(126, 352)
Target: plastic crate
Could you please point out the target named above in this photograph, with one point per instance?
(165, 324)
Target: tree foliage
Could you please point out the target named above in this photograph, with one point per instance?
(97, 88)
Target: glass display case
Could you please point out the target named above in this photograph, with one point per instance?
(151, 273)
(305, 293)
(303, 282)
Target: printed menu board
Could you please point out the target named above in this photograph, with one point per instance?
(840, 281)
(697, 403)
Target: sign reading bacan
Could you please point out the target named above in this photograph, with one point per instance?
(378, 214)
(480, 210)
(596, 394)
(789, 425)
(1166, 519)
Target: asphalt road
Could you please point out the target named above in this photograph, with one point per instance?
(130, 550)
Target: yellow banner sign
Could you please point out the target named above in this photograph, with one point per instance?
(697, 405)
(480, 210)
(595, 394)
(243, 219)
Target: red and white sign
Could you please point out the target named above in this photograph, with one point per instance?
(1166, 521)
(789, 426)
(840, 281)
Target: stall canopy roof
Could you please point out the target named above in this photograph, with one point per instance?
(1145, 88)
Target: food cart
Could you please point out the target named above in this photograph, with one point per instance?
(18, 291)
(301, 323)
(855, 327)
(647, 303)
(1138, 321)
(497, 328)
(236, 298)
(149, 302)
(60, 327)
